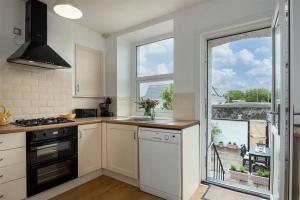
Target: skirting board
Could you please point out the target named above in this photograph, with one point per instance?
(121, 178)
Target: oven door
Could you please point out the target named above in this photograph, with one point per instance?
(47, 175)
(51, 150)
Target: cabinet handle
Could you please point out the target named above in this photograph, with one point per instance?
(1, 142)
(134, 135)
(1, 196)
(1, 176)
(80, 135)
(1, 159)
(77, 88)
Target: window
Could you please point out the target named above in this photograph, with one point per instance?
(154, 72)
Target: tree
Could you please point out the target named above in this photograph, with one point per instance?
(251, 95)
(167, 96)
(234, 95)
(258, 95)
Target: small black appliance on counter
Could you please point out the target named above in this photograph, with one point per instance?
(85, 113)
(104, 108)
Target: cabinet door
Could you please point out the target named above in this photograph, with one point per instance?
(89, 72)
(89, 148)
(122, 149)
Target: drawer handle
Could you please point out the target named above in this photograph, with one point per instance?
(1, 142)
(1, 176)
(1, 159)
(1, 196)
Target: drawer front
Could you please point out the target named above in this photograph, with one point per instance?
(13, 190)
(12, 172)
(13, 156)
(12, 140)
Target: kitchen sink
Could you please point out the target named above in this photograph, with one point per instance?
(142, 119)
(135, 119)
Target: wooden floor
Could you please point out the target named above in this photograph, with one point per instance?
(105, 188)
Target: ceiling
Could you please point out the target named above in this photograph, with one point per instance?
(107, 16)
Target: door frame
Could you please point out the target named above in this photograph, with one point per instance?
(202, 96)
(286, 137)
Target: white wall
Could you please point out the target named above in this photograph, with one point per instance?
(295, 94)
(63, 34)
(123, 77)
(189, 24)
(295, 56)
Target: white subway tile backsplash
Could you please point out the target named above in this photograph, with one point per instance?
(22, 103)
(30, 92)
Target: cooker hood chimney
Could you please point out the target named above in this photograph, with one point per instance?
(35, 51)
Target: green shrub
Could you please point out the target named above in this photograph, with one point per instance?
(232, 168)
(263, 173)
(234, 143)
(229, 142)
(242, 169)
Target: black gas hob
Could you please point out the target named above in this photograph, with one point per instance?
(41, 121)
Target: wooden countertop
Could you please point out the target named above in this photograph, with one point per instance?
(159, 123)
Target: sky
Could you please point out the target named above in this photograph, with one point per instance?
(155, 58)
(243, 64)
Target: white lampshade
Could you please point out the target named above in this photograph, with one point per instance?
(67, 9)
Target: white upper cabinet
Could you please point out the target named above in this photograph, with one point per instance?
(89, 72)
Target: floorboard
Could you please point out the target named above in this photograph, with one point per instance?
(105, 188)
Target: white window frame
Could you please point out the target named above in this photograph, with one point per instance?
(136, 81)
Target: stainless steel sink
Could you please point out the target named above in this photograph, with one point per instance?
(143, 119)
(135, 119)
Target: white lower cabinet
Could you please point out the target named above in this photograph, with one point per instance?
(13, 166)
(122, 149)
(13, 172)
(13, 190)
(89, 148)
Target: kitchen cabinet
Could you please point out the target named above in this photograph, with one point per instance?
(13, 166)
(89, 148)
(89, 75)
(122, 149)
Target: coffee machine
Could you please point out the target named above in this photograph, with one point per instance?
(104, 108)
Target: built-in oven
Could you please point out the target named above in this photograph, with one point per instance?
(51, 158)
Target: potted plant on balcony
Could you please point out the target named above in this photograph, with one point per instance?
(233, 145)
(261, 177)
(240, 174)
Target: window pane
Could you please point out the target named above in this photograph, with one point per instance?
(155, 58)
(160, 90)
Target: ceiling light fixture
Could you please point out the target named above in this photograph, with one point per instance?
(67, 9)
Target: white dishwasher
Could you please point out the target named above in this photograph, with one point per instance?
(160, 162)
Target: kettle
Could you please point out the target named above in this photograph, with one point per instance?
(4, 116)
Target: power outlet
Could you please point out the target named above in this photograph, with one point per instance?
(17, 31)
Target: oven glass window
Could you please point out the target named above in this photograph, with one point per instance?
(53, 151)
(53, 172)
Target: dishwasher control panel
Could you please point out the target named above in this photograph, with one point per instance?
(162, 135)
